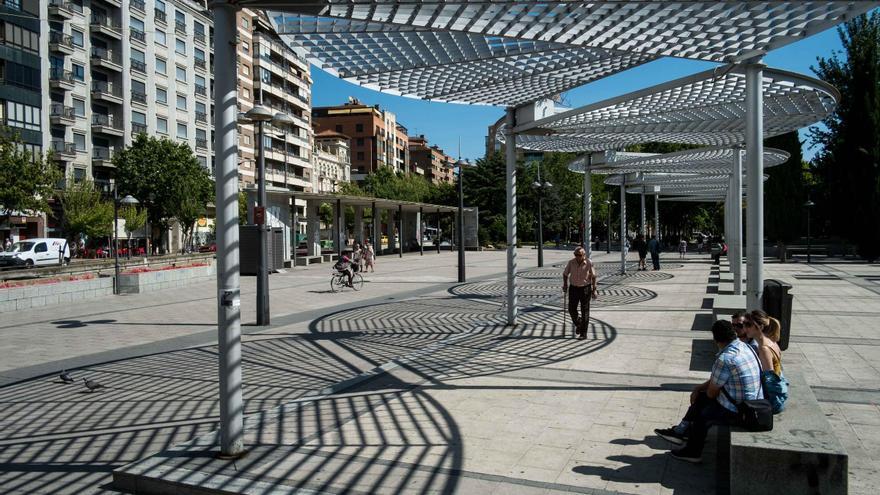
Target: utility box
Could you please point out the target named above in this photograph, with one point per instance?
(249, 249)
(777, 303)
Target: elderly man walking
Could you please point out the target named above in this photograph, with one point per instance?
(582, 277)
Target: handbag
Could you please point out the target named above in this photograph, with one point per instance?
(754, 414)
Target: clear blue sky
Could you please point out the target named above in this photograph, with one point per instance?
(444, 123)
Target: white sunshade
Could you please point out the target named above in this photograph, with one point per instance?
(709, 161)
(706, 109)
(506, 52)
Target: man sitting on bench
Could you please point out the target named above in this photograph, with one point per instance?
(736, 371)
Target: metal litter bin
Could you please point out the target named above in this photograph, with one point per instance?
(777, 303)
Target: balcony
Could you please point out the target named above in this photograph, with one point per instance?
(101, 24)
(179, 27)
(63, 151)
(138, 128)
(200, 64)
(199, 37)
(137, 35)
(61, 79)
(138, 66)
(60, 43)
(106, 124)
(62, 9)
(201, 143)
(107, 59)
(201, 117)
(103, 157)
(115, 3)
(201, 90)
(106, 91)
(62, 115)
(138, 5)
(138, 97)
(160, 16)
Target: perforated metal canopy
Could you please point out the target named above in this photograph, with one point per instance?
(707, 109)
(714, 161)
(505, 52)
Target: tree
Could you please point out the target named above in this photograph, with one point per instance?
(135, 218)
(847, 168)
(166, 178)
(26, 181)
(784, 193)
(86, 212)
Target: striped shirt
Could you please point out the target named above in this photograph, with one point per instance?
(737, 370)
(579, 273)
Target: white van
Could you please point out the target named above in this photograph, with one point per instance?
(36, 252)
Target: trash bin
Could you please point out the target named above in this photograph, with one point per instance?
(777, 303)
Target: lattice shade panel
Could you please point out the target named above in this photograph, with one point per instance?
(706, 161)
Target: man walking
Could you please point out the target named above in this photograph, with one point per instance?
(580, 272)
(654, 248)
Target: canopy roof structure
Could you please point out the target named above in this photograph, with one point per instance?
(712, 161)
(506, 52)
(706, 109)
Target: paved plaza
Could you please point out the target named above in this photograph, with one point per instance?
(414, 385)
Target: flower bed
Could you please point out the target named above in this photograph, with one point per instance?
(9, 284)
(146, 279)
(147, 269)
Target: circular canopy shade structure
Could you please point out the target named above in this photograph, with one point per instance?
(508, 52)
(711, 161)
(707, 108)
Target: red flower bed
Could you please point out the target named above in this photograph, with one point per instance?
(11, 284)
(147, 269)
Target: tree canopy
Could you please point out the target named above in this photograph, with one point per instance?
(26, 181)
(86, 211)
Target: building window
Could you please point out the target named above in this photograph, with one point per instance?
(200, 81)
(79, 72)
(160, 5)
(198, 28)
(245, 47)
(360, 141)
(22, 116)
(161, 38)
(180, 46)
(247, 140)
(246, 93)
(181, 102)
(181, 74)
(200, 108)
(20, 37)
(79, 141)
(245, 70)
(359, 128)
(180, 17)
(139, 118)
(136, 24)
(245, 23)
(161, 66)
(181, 130)
(77, 37)
(199, 54)
(161, 125)
(79, 107)
(339, 128)
(161, 96)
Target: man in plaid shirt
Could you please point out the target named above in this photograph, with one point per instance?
(737, 371)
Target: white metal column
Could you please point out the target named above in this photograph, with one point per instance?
(313, 228)
(657, 213)
(735, 245)
(623, 225)
(643, 229)
(359, 224)
(588, 207)
(228, 285)
(510, 152)
(755, 184)
(377, 229)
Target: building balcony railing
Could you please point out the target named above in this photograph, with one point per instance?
(137, 65)
(106, 25)
(179, 27)
(60, 42)
(102, 156)
(138, 97)
(201, 90)
(60, 114)
(62, 149)
(106, 124)
(61, 79)
(199, 36)
(200, 64)
(138, 128)
(160, 16)
(139, 5)
(63, 9)
(106, 58)
(201, 117)
(137, 35)
(106, 91)
(201, 143)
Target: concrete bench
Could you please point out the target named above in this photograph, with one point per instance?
(329, 258)
(308, 260)
(800, 455)
(725, 305)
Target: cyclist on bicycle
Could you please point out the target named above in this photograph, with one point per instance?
(344, 266)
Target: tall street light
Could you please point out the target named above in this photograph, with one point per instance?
(461, 164)
(609, 203)
(809, 206)
(540, 187)
(259, 115)
(128, 200)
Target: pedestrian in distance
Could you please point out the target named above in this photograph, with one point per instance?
(579, 282)
(357, 257)
(368, 256)
(642, 247)
(682, 248)
(654, 249)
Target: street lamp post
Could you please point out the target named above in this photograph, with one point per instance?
(460, 221)
(128, 200)
(259, 115)
(809, 205)
(540, 187)
(609, 203)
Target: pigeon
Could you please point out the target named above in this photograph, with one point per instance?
(65, 377)
(93, 385)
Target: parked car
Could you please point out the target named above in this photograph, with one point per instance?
(37, 252)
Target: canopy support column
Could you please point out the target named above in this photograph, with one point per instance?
(510, 152)
(377, 229)
(734, 251)
(643, 227)
(755, 184)
(438, 236)
(421, 231)
(337, 226)
(295, 240)
(359, 225)
(588, 207)
(623, 225)
(657, 213)
(228, 285)
(400, 231)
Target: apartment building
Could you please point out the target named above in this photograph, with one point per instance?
(430, 161)
(377, 139)
(332, 161)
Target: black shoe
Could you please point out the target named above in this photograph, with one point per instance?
(670, 435)
(685, 454)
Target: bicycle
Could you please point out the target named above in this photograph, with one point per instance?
(339, 281)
